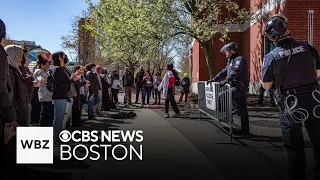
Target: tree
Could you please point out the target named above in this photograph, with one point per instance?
(160, 20)
(79, 41)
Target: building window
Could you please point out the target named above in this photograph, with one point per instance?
(268, 45)
(310, 26)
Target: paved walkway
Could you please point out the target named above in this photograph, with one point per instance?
(177, 149)
(167, 154)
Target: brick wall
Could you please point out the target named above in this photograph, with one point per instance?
(251, 41)
(297, 13)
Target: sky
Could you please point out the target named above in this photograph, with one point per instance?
(42, 21)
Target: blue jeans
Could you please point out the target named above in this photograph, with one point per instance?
(59, 112)
(146, 92)
(92, 102)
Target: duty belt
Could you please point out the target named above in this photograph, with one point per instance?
(299, 90)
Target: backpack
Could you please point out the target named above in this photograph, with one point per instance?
(51, 85)
(176, 77)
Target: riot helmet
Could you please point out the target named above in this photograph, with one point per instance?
(2, 30)
(229, 47)
(276, 27)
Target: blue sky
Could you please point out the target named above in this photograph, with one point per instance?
(42, 21)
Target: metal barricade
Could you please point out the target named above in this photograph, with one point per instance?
(216, 102)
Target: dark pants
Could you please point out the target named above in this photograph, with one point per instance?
(8, 158)
(146, 92)
(240, 99)
(83, 101)
(114, 97)
(170, 98)
(293, 137)
(76, 116)
(47, 114)
(138, 89)
(185, 94)
(36, 110)
(157, 96)
(261, 93)
(241, 102)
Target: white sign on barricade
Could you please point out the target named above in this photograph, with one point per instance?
(210, 96)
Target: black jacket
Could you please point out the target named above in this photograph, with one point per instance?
(236, 72)
(139, 78)
(7, 111)
(62, 82)
(185, 83)
(128, 80)
(20, 98)
(94, 83)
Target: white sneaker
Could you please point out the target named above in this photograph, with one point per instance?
(167, 115)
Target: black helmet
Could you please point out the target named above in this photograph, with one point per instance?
(228, 47)
(2, 29)
(276, 27)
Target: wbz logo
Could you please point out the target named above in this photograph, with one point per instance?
(34, 145)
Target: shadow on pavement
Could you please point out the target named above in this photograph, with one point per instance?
(70, 164)
(30, 173)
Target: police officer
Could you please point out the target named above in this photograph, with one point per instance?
(292, 68)
(237, 74)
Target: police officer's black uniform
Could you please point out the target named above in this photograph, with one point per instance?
(237, 74)
(292, 66)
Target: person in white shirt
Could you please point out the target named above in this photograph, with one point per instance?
(115, 86)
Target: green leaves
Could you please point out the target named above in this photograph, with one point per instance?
(131, 30)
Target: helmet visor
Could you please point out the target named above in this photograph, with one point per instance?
(224, 49)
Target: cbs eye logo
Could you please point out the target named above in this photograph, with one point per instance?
(65, 136)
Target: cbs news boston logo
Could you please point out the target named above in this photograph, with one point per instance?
(35, 144)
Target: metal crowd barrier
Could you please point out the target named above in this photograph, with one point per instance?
(216, 102)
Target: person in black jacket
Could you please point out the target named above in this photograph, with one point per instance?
(185, 83)
(62, 81)
(93, 90)
(76, 110)
(7, 111)
(138, 81)
(106, 86)
(128, 82)
(18, 84)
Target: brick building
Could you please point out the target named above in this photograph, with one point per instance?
(303, 17)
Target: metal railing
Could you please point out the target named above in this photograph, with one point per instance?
(216, 102)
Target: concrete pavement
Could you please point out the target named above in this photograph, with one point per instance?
(179, 149)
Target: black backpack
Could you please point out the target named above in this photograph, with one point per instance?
(176, 77)
(51, 85)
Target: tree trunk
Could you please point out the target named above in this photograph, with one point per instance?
(131, 66)
(207, 48)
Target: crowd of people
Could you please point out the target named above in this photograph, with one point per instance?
(54, 95)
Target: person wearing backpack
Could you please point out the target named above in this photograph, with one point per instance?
(185, 83)
(61, 86)
(168, 85)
